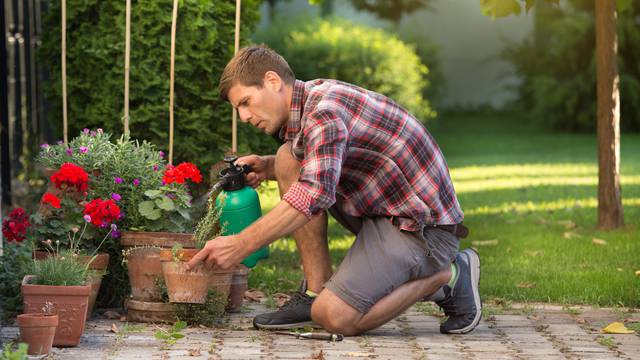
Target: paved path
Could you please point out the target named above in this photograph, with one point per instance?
(506, 332)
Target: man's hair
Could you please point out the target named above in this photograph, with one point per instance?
(248, 67)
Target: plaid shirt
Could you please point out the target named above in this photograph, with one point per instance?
(365, 149)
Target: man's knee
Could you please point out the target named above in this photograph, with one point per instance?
(334, 315)
(287, 168)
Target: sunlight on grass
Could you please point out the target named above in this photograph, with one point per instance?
(559, 204)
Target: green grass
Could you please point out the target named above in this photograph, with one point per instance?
(533, 191)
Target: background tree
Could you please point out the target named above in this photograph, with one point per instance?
(391, 10)
(610, 213)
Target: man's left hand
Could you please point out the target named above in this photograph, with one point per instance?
(222, 252)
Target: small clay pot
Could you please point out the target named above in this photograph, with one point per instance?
(238, 287)
(184, 286)
(144, 269)
(38, 331)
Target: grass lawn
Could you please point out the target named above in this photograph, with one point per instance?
(530, 200)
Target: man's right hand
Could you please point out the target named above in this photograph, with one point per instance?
(261, 166)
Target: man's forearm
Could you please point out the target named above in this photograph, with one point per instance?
(283, 220)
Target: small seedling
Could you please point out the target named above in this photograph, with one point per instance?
(572, 311)
(170, 336)
(19, 354)
(635, 326)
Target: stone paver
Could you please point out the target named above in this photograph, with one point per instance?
(522, 332)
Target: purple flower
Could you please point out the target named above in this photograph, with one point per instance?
(60, 142)
(114, 227)
(87, 218)
(118, 180)
(99, 130)
(69, 151)
(116, 197)
(155, 167)
(85, 130)
(171, 196)
(84, 149)
(93, 133)
(115, 234)
(44, 146)
(161, 153)
(136, 182)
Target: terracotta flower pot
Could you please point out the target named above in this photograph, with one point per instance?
(150, 312)
(100, 263)
(38, 330)
(144, 269)
(69, 302)
(238, 286)
(159, 239)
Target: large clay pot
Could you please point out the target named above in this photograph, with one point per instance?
(145, 272)
(69, 303)
(99, 263)
(37, 330)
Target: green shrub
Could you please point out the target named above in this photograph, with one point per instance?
(14, 262)
(559, 73)
(95, 72)
(367, 57)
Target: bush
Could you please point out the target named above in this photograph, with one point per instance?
(95, 72)
(14, 262)
(559, 73)
(367, 57)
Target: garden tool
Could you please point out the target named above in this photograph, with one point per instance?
(313, 335)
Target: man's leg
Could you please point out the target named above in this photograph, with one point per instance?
(311, 240)
(335, 315)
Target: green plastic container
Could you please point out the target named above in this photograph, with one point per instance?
(240, 207)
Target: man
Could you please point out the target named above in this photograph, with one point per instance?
(377, 170)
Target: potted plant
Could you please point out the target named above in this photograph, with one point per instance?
(38, 329)
(63, 277)
(193, 286)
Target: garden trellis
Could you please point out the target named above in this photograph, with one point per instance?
(125, 117)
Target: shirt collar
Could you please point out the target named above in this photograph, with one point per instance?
(292, 127)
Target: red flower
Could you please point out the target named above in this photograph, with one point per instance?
(71, 175)
(102, 212)
(180, 173)
(49, 198)
(15, 226)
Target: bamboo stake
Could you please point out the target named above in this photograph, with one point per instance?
(64, 72)
(171, 79)
(127, 56)
(234, 118)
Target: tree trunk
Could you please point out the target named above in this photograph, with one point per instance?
(610, 214)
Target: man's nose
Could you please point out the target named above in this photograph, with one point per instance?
(244, 114)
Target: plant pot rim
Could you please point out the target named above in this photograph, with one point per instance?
(70, 290)
(163, 239)
(37, 320)
(183, 255)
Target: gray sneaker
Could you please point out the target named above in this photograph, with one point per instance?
(462, 304)
(296, 313)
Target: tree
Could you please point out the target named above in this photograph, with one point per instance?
(392, 10)
(610, 211)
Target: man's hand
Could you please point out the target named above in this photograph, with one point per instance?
(262, 169)
(222, 252)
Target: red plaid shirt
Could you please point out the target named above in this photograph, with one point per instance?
(365, 149)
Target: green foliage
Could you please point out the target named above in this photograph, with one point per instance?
(208, 314)
(392, 10)
(61, 269)
(367, 57)
(95, 68)
(172, 335)
(19, 354)
(559, 73)
(209, 226)
(167, 208)
(13, 263)
(89, 150)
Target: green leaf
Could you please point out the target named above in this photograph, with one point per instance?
(160, 335)
(165, 203)
(185, 213)
(153, 193)
(177, 335)
(179, 325)
(499, 8)
(149, 211)
(623, 5)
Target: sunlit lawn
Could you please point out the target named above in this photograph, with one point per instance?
(530, 200)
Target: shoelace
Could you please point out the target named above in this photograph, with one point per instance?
(297, 299)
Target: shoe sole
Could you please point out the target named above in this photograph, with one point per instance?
(288, 326)
(474, 264)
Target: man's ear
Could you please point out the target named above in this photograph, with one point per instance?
(273, 81)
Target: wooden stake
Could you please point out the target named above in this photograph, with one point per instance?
(234, 118)
(127, 55)
(171, 78)
(63, 53)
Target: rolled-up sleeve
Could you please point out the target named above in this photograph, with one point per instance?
(325, 140)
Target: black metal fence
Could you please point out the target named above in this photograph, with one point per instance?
(22, 108)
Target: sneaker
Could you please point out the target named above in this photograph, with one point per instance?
(295, 313)
(462, 304)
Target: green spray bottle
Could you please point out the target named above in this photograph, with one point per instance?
(239, 204)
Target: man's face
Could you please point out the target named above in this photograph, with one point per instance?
(265, 108)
